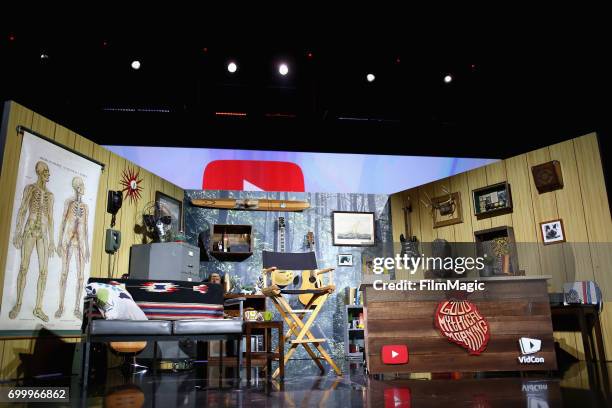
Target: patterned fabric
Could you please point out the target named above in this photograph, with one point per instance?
(174, 300)
(114, 302)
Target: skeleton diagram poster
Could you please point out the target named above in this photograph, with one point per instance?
(49, 255)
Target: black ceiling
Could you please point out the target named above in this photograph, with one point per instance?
(506, 97)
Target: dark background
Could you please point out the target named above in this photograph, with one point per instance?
(510, 94)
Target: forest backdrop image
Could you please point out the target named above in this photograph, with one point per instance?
(317, 219)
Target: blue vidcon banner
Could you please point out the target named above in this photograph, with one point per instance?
(253, 170)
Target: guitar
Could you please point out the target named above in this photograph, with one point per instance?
(281, 234)
(310, 241)
(311, 280)
(279, 277)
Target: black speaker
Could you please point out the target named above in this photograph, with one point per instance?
(115, 199)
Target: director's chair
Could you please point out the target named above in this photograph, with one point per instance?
(297, 274)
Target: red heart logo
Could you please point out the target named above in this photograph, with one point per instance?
(462, 323)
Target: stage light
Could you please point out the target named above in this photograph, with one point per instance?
(310, 55)
(44, 56)
(136, 64)
(12, 37)
(283, 69)
(370, 77)
(448, 78)
(232, 67)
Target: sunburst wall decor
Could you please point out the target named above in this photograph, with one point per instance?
(131, 184)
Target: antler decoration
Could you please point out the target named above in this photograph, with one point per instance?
(131, 184)
(445, 207)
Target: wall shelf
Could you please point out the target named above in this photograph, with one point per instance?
(231, 243)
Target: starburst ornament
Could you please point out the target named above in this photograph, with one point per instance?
(131, 184)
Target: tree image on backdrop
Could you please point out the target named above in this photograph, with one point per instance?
(48, 258)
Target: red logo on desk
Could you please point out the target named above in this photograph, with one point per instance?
(252, 175)
(462, 323)
(398, 397)
(394, 354)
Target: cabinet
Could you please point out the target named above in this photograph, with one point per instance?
(165, 260)
(499, 244)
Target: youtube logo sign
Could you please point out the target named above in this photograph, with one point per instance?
(394, 354)
(253, 175)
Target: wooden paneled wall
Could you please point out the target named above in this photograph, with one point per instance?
(127, 218)
(582, 204)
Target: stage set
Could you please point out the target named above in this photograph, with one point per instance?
(189, 276)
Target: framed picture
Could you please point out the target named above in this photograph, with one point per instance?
(353, 228)
(172, 207)
(345, 259)
(45, 173)
(552, 232)
(367, 265)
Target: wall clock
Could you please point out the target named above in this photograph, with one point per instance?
(131, 184)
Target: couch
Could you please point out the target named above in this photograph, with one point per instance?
(176, 311)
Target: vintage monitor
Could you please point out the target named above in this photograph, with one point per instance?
(165, 260)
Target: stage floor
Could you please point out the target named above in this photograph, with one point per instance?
(204, 386)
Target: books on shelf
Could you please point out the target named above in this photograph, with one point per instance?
(257, 343)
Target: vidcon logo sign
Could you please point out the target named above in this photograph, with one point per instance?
(528, 347)
(253, 175)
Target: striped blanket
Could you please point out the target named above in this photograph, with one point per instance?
(173, 300)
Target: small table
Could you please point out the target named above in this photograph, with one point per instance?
(586, 318)
(269, 354)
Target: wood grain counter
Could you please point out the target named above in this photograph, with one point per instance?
(514, 307)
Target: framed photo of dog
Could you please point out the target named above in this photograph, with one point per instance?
(552, 232)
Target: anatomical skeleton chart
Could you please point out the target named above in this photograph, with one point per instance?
(48, 259)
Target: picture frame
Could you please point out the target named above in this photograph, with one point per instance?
(492, 200)
(345, 259)
(367, 265)
(552, 232)
(172, 206)
(447, 210)
(352, 228)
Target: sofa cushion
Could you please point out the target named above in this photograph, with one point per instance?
(114, 302)
(212, 326)
(132, 327)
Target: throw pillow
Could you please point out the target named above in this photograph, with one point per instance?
(114, 302)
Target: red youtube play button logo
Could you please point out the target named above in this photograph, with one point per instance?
(394, 354)
(253, 175)
(398, 397)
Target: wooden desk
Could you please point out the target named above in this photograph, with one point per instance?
(514, 307)
(267, 327)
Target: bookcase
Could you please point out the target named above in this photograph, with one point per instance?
(354, 343)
